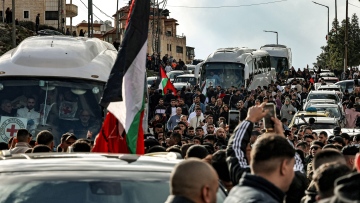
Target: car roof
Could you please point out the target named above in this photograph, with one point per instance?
(324, 105)
(349, 131)
(322, 92)
(87, 162)
(330, 86)
(186, 75)
(321, 100)
(315, 114)
(176, 71)
(345, 81)
(152, 77)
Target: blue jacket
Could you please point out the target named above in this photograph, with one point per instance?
(253, 188)
(172, 122)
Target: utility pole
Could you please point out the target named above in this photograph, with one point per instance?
(13, 25)
(346, 37)
(153, 28)
(335, 10)
(59, 16)
(3, 15)
(117, 20)
(90, 19)
(158, 29)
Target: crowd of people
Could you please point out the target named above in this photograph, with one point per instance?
(153, 62)
(255, 164)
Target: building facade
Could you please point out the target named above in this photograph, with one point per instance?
(99, 28)
(162, 36)
(52, 12)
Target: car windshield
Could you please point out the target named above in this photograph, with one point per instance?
(291, 80)
(323, 96)
(317, 125)
(50, 104)
(85, 191)
(125, 187)
(331, 81)
(174, 75)
(333, 111)
(150, 81)
(327, 74)
(329, 89)
(190, 80)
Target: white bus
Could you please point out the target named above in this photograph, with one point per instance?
(64, 75)
(234, 66)
(280, 58)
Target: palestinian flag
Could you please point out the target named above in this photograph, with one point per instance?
(124, 93)
(165, 83)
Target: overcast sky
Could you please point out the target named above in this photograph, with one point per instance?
(301, 24)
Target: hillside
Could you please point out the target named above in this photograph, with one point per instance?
(5, 36)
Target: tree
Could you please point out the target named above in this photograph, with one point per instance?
(354, 42)
(333, 53)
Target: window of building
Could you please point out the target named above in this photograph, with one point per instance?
(179, 49)
(167, 47)
(51, 15)
(170, 47)
(168, 33)
(26, 14)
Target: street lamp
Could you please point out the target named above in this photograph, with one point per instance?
(328, 14)
(277, 35)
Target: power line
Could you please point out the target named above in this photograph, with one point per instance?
(354, 5)
(88, 8)
(103, 12)
(235, 6)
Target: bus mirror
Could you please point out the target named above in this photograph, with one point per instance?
(41, 83)
(78, 91)
(95, 90)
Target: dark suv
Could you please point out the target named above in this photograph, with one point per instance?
(86, 178)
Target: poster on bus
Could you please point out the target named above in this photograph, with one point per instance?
(9, 127)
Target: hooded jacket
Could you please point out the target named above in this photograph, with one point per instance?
(253, 188)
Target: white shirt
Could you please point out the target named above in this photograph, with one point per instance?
(168, 69)
(30, 115)
(192, 115)
(195, 122)
(173, 111)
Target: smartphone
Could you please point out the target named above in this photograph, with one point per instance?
(268, 123)
(234, 119)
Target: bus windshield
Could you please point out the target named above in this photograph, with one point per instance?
(57, 105)
(281, 64)
(223, 74)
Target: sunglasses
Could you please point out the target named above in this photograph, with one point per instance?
(314, 147)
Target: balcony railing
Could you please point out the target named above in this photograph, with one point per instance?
(71, 10)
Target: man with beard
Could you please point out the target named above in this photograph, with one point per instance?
(29, 113)
(243, 111)
(235, 98)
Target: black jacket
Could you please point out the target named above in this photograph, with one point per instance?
(236, 154)
(236, 151)
(253, 188)
(347, 189)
